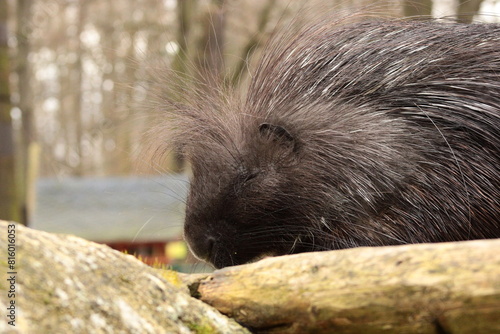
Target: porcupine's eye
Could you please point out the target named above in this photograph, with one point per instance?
(250, 176)
(246, 175)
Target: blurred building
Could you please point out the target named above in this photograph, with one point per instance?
(139, 216)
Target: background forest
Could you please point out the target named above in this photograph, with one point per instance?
(75, 75)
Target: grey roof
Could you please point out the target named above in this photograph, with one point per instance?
(112, 209)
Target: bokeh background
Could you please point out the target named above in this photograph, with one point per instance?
(77, 98)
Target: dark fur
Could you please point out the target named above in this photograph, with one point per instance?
(360, 134)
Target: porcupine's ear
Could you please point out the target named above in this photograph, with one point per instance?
(279, 135)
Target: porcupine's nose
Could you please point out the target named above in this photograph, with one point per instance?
(200, 243)
(205, 248)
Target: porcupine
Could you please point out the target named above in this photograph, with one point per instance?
(359, 134)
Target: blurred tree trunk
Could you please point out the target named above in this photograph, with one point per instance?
(184, 14)
(467, 9)
(417, 8)
(9, 200)
(252, 44)
(180, 65)
(109, 88)
(210, 57)
(28, 168)
(78, 118)
(122, 121)
(71, 92)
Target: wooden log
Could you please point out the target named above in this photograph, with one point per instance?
(426, 288)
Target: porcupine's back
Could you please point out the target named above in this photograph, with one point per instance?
(401, 118)
(369, 133)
